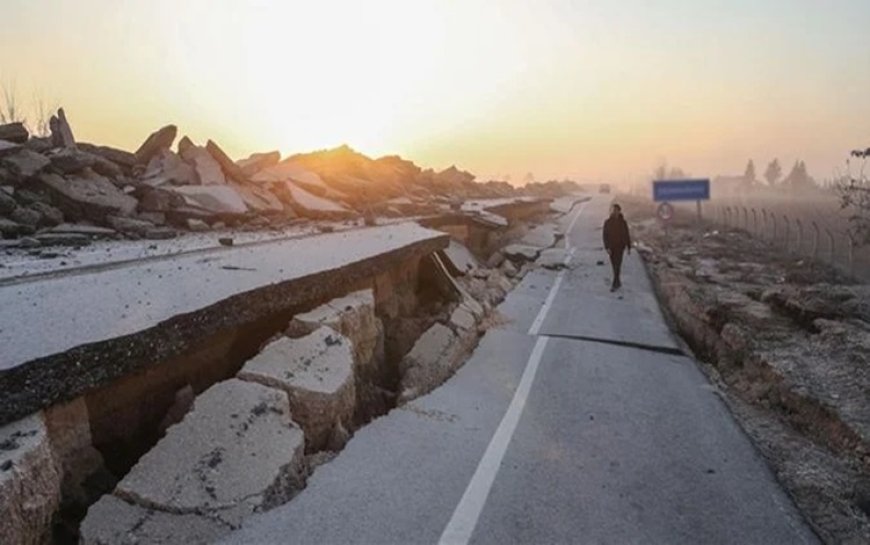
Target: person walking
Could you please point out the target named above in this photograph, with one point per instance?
(616, 241)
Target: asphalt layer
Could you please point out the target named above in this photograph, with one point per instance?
(610, 443)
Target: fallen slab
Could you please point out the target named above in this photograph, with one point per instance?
(459, 259)
(87, 196)
(353, 316)
(111, 320)
(316, 372)
(112, 521)
(429, 363)
(237, 452)
(521, 253)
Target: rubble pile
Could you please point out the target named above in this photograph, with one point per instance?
(157, 191)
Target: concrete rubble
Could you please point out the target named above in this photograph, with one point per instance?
(317, 373)
(210, 471)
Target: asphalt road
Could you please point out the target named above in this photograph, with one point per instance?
(576, 421)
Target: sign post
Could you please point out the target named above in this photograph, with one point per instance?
(696, 189)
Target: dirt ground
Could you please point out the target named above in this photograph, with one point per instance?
(787, 342)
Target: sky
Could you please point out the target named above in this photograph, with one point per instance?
(593, 90)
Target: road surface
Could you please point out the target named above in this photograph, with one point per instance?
(576, 421)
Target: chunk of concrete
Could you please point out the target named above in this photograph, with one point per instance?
(310, 205)
(167, 167)
(8, 148)
(235, 453)
(29, 482)
(207, 168)
(352, 316)
(69, 431)
(462, 318)
(112, 521)
(161, 139)
(459, 259)
(14, 132)
(61, 133)
(87, 196)
(129, 225)
(431, 361)
(25, 163)
(259, 161)
(553, 258)
(542, 236)
(230, 169)
(520, 253)
(316, 371)
(217, 199)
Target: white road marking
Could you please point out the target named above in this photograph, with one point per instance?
(464, 519)
(467, 512)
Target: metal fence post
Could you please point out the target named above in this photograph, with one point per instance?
(816, 235)
(773, 217)
(800, 234)
(754, 221)
(787, 230)
(851, 253)
(745, 218)
(833, 254)
(764, 223)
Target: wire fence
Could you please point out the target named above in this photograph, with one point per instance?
(813, 227)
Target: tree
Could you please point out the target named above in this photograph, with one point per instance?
(749, 173)
(799, 179)
(854, 191)
(773, 172)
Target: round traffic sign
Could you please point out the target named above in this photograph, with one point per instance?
(665, 211)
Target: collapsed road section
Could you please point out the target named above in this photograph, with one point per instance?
(143, 407)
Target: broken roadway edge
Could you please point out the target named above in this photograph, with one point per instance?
(109, 323)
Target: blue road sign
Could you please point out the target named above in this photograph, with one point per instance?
(681, 190)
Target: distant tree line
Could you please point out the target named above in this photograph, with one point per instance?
(798, 179)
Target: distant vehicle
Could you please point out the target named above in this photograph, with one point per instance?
(604, 188)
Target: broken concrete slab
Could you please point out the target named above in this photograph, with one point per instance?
(316, 371)
(553, 258)
(231, 170)
(9, 228)
(459, 259)
(217, 199)
(113, 521)
(520, 253)
(25, 163)
(429, 363)
(207, 168)
(129, 225)
(69, 432)
(61, 133)
(87, 196)
(258, 161)
(541, 236)
(29, 482)
(14, 132)
(8, 148)
(463, 318)
(121, 330)
(167, 167)
(310, 205)
(70, 160)
(353, 316)
(159, 140)
(237, 452)
(114, 155)
(91, 231)
(258, 199)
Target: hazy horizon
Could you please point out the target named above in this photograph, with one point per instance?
(586, 90)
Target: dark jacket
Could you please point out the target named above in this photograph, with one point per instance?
(615, 233)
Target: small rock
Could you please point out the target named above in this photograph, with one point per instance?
(129, 225)
(26, 216)
(225, 241)
(197, 225)
(160, 233)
